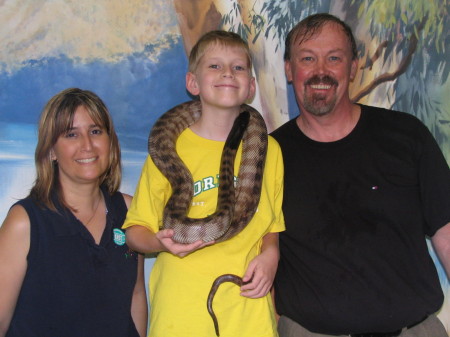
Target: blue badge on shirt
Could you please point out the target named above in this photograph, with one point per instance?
(119, 237)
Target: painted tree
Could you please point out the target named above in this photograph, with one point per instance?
(412, 52)
(414, 33)
(403, 46)
(196, 17)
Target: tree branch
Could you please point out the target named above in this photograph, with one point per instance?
(393, 75)
(370, 61)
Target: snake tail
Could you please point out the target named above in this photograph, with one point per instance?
(217, 282)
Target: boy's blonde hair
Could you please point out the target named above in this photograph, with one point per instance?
(217, 37)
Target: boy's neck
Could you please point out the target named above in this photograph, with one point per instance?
(215, 124)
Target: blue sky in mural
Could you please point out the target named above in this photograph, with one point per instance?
(136, 90)
(128, 88)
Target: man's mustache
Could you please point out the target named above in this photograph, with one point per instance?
(321, 80)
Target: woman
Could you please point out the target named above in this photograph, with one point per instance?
(65, 267)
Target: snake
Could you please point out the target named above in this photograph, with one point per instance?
(235, 205)
(217, 282)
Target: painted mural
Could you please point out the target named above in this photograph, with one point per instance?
(133, 55)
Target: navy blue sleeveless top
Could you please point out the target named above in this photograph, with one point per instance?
(74, 287)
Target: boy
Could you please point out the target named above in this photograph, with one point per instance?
(220, 74)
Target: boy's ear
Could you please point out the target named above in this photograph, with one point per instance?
(191, 84)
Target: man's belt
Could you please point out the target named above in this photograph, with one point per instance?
(395, 333)
(381, 334)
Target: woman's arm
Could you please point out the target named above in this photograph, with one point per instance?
(139, 301)
(14, 248)
(139, 308)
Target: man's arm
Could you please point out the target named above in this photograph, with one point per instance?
(441, 244)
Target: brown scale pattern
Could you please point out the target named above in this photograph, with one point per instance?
(235, 206)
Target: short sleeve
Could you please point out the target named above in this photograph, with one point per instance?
(434, 179)
(152, 193)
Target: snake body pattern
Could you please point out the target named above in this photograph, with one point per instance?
(235, 206)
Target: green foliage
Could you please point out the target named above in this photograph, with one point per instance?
(232, 19)
(400, 21)
(404, 24)
(275, 19)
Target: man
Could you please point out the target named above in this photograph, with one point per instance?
(364, 186)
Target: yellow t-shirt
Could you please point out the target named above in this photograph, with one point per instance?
(179, 286)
